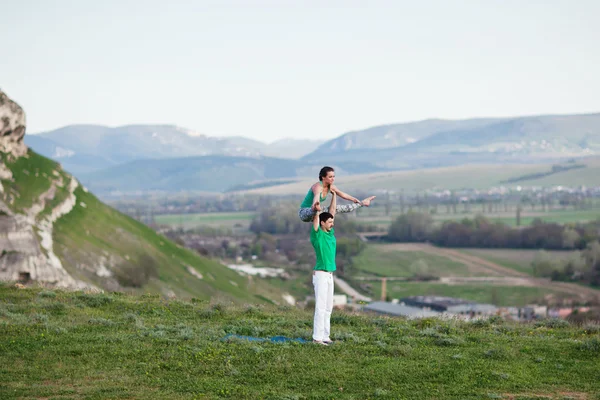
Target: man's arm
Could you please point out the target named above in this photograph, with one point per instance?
(345, 196)
(317, 191)
(317, 208)
(333, 204)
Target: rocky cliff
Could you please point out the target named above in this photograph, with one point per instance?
(26, 251)
(12, 127)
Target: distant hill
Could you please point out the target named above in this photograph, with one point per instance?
(396, 135)
(85, 148)
(585, 172)
(75, 162)
(291, 148)
(437, 143)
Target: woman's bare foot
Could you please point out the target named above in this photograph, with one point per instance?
(317, 207)
(367, 202)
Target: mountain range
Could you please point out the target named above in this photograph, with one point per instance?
(437, 143)
(86, 148)
(169, 158)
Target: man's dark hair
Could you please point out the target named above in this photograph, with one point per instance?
(324, 217)
(324, 171)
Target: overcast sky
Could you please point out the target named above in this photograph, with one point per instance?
(296, 69)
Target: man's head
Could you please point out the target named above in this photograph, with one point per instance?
(327, 175)
(326, 221)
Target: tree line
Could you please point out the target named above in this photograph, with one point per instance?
(482, 232)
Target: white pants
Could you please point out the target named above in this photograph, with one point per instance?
(323, 283)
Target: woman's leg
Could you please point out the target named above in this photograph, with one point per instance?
(344, 208)
(306, 214)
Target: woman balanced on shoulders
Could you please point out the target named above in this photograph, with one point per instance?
(319, 192)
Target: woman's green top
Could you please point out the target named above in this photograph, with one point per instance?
(308, 200)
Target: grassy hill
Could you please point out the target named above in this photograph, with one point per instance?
(93, 241)
(114, 346)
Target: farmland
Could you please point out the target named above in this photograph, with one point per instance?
(508, 280)
(232, 221)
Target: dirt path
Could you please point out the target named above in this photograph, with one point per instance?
(349, 290)
(474, 263)
(478, 261)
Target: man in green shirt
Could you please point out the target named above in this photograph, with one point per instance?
(322, 238)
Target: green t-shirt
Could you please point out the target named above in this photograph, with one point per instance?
(325, 246)
(308, 200)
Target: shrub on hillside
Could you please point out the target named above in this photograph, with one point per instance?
(137, 274)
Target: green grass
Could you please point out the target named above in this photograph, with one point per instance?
(299, 286)
(478, 292)
(60, 195)
(107, 346)
(32, 176)
(226, 220)
(555, 216)
(87, 232)
(383, 260)
(588, 176)
(376, 216)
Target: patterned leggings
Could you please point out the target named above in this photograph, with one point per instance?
(307, 214)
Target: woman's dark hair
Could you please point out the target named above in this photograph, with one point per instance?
(324, 171)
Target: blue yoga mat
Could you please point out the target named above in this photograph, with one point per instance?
(274, 339)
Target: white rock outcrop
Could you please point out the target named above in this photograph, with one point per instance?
(26, 246)
(12, 127)
(27, 252)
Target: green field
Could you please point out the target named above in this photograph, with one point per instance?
(376, 216)
(383, 260)
(482, 293)
(239, 222)
(234, 221)
(555, 216)
(75, 345)
(387, 260)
